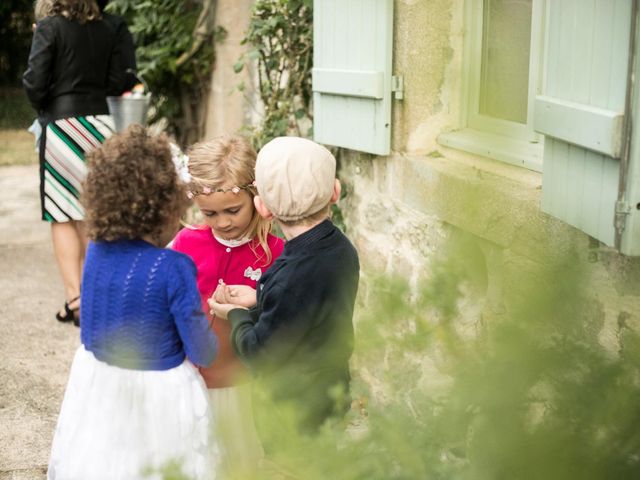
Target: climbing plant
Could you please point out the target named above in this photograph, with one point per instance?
(175, 51)
(280, 41)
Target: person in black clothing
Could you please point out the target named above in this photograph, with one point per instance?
(125, 44)
(298, 337)
(73, 65)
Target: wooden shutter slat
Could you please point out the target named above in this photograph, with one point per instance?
(592, 127)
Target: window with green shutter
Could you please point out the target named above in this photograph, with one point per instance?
(502, 52)
(546, 87)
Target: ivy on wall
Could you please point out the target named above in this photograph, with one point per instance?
(280, 41)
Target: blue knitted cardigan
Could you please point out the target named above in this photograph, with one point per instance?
(141, 307)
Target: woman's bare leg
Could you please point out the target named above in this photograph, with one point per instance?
(84, 241)
(68, 248)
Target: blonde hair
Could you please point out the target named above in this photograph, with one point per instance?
(223, 163)
(81, 10)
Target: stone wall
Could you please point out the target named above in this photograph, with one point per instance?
(401, 210)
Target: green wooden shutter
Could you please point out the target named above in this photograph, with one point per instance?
(352, 44)
(581, 111)
(630, 244)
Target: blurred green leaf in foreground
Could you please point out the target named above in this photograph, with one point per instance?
(529, 395)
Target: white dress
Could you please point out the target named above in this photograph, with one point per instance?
(121, 424)
(240, 448)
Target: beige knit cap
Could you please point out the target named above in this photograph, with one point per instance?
(295, 177)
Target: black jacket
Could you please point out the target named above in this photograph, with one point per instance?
(299, 337)
(127, 49)
(72, 68)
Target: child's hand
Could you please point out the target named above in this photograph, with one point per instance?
(220, 295)
(242, 295)
(221, 310)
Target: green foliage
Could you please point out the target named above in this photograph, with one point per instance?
(531, 395)
(16, 18)
(171, 470)
(15, 110)
(164, 32)
(337, 216)
(280, 37)
(281, 45)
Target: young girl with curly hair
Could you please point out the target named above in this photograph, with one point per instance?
(134, 401)
(233, 247)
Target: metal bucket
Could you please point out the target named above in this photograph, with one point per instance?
(128, 110)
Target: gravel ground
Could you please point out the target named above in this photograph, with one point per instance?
(36, 351)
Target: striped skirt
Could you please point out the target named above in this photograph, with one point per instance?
(62, 163)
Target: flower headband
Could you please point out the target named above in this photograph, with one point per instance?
(181, 162)
(205, 190)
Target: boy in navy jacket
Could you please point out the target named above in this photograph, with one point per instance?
(298, 335)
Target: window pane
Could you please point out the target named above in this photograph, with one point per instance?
(506, 41)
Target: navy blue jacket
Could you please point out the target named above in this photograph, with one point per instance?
(299, 337)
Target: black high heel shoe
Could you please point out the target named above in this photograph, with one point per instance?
(70, 314)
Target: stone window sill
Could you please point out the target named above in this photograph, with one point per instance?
(498, 147)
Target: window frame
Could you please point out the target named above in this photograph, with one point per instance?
(502, 140)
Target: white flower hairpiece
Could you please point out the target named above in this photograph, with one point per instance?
(181, 161)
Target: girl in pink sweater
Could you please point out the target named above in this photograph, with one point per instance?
(233, 247)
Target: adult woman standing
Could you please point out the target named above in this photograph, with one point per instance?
(73, 65)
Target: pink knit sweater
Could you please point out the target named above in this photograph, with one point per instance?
(216, 263)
